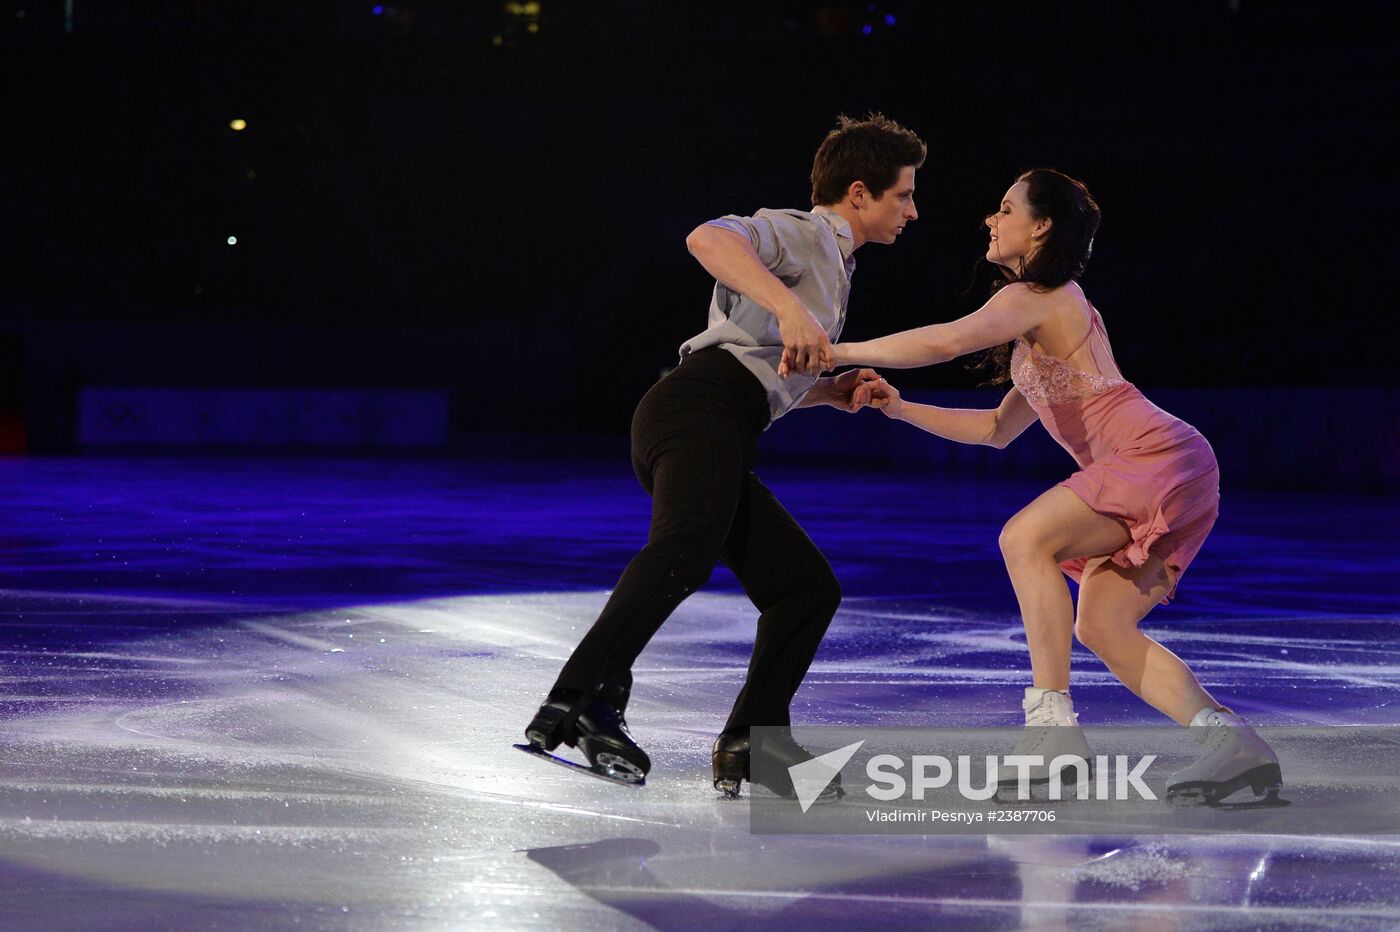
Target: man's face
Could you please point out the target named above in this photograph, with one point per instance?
(885, 216)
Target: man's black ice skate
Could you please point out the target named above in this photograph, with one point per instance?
(594, 725)
(729, 761)
(732, 765)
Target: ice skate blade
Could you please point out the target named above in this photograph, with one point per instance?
(1270, 801)
(619, 768)
(1008, 791)
(1039, 795)
(832, 794)
(1265, 781)
(542, 732)
(729, 788)
(601, 771)
(730, 769)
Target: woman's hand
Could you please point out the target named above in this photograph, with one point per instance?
(877, 393)
(845, 386)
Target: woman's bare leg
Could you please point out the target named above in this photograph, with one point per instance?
(1056, 526)
(1112, 600)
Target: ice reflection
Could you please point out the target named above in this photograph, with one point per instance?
(306, 713)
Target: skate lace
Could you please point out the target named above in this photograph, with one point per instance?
(1218, 728)
(1215, 734)
(1042, 713)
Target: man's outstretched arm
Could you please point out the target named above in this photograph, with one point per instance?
(732, 260)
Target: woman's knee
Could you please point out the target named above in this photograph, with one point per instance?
(1088, 633)
(1020, 542)
(1102, 636)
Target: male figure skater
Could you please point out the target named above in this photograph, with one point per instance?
(782, 282)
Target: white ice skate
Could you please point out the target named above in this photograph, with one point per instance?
(1235, 757)
(1052, 733)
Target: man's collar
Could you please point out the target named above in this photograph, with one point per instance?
(841, 227)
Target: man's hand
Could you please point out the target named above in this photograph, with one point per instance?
(846, 389)
(877, 393)
(806, 347)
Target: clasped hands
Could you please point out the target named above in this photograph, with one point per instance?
(859, 388)
(808, 350)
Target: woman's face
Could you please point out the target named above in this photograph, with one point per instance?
(1015, 234)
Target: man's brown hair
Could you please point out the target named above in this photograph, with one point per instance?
(872, 150)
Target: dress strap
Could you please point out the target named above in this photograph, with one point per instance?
(1096, 323)
(1090, 333)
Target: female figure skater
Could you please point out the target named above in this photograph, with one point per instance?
(1125, 526)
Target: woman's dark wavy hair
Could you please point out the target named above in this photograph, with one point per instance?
(1063, 254)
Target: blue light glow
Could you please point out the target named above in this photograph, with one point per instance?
(376, 10)
(889, 19)
(867, 29)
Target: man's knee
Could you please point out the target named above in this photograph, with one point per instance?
(691, 569)
(686, 555)
(826, 594)
(810, 596)
(813, 583)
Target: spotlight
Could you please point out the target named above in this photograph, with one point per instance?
(233, 241)
(238, 126)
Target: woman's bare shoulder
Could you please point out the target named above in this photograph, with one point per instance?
(1066, 319)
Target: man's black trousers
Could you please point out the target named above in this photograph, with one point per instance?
(694, 443)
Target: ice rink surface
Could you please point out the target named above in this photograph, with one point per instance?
(281, 694)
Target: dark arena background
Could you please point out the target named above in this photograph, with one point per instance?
(321, 328)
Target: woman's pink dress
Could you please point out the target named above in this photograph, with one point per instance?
(1137, 463)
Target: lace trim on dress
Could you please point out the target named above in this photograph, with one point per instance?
(1050, 380)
